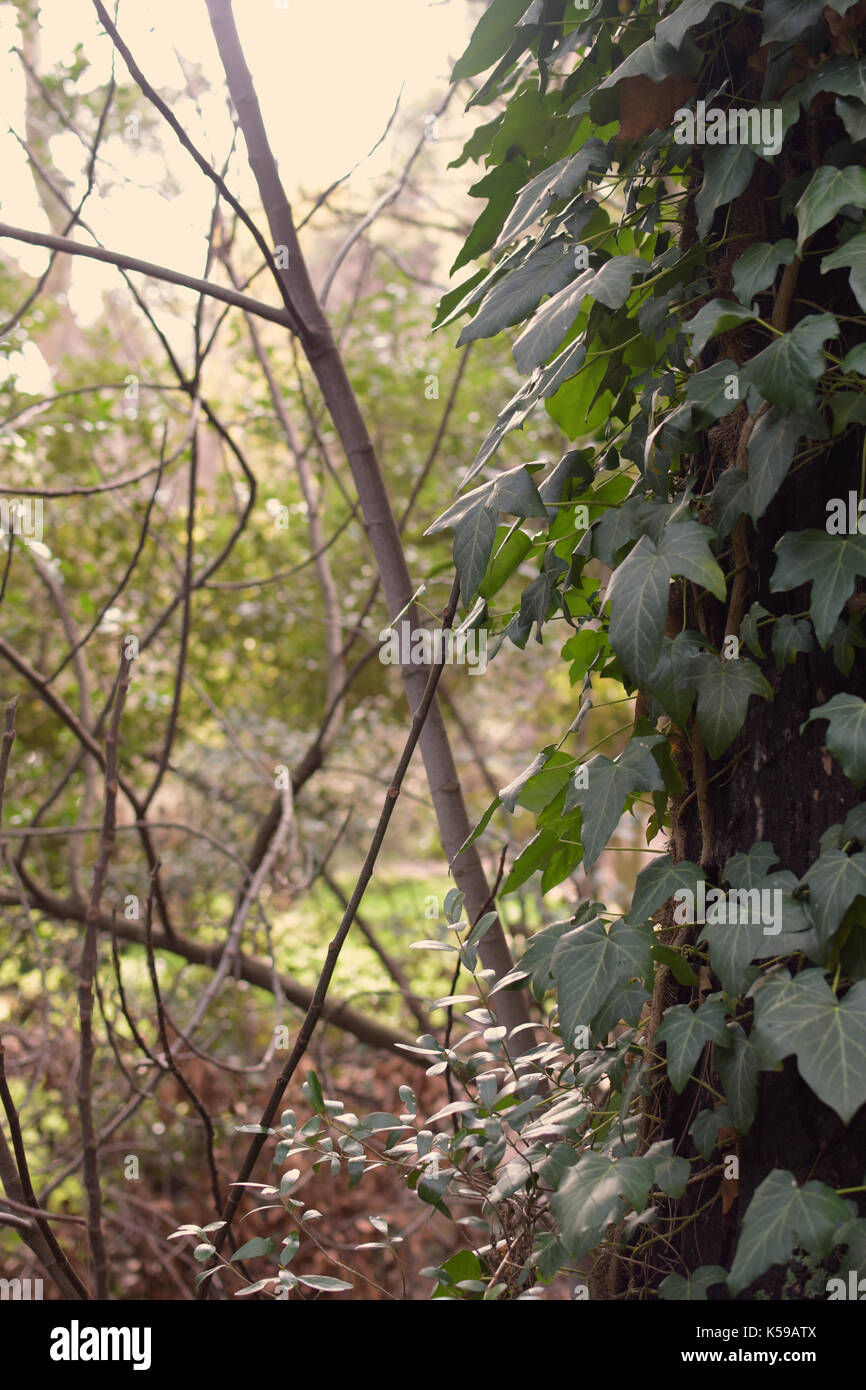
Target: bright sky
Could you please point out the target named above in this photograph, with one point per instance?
(327, 76)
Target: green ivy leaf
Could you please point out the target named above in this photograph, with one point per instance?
(705, 1129)
(537, 959)
(561, 180)
(670, 1172)
(780, 1216)
(855, 360)
(590, 1197)
(638, 594)
(771, 453)
(638, 591)
(727, 171)
(546, 271)
(786, 372)
(673, 29)
(659, 881)
(828, 1036)
(686, 1032)
(834, 881)
(608, 783)
(716, 317)
(749, 629)
(828, 192)
(852, 253)
(692, 1288)
(756, 268)
(474, 537)
(491, 38)
(831, 564)
(610, 285)
(786, 19)
(846, 733)
(791, 636)
(738, 1068)
(724, 691)
(585, 967)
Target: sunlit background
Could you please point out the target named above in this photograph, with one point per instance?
(328, 77)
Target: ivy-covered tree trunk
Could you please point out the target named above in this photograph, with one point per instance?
(676, 208)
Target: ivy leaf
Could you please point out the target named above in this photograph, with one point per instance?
(847, 407)
(653, 59)
(590, 1196)
(671, 682)
(738, 1068)
(705, 1129)
(676, 963)
(515, 493)
(724, 691)
(844, 76)
(748, 868)
(846, 733)
(499, 188)
(638, 594)
(638, 591)
(670, 1172)
(732, 947)
(692, 1288)
(625, 1005)
(786, 372)
(491, 38)
(749, 629)
(831, 564)
(786, 19)
(829, 191)
(853, 116)
(686, 1032)
(635, 945)
(659, 881)
(686, 547)
(834, 880)
(520, 290)
(610, 285)
(828, 1037)
(771, 452)
(852, 253)
(853, 1235)
(608, 783)
(585, 966)
(544, 382)
(780, 1216)
(474, 537)
(673, 29)
(537, 785)
(537, 959)
(727, 171)
(561, 180)
(791, 636)
(715, 317)
(756, 268)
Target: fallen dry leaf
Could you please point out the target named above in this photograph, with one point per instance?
(646, 105)
(841, 25)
